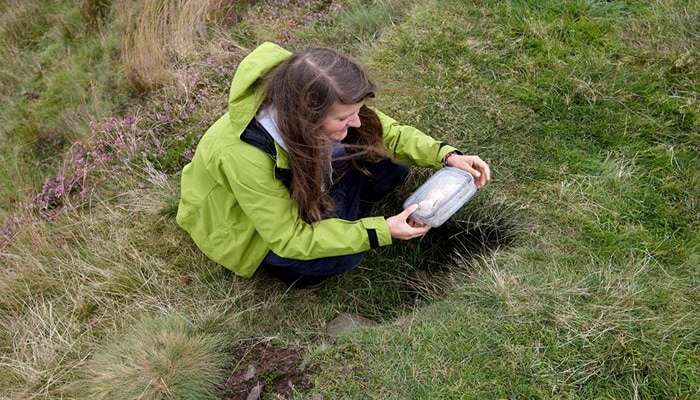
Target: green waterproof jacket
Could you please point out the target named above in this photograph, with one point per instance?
(236, 210)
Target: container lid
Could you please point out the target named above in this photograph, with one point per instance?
(442, 195)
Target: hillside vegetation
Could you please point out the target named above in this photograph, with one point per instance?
(574, 274)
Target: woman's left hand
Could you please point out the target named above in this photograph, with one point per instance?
(472, 164)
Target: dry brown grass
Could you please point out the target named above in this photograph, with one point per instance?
(158, 33)
(70, 283)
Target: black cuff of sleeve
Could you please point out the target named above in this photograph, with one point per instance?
(444, 159)
(373, 241)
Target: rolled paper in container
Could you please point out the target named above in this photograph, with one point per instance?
(441, 196)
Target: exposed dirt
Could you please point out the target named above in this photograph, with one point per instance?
(267, 368)
(477, 232)
(397, 278)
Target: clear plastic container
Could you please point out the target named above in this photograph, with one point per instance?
(441, 196)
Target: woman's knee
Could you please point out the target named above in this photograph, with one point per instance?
(325, 266)
(385, 177)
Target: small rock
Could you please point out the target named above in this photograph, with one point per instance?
(250, 373)
(254, 393)
(345, 323)
(185, 280)
(472, 43)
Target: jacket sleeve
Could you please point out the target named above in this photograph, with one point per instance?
(275, 215)
(412, 146)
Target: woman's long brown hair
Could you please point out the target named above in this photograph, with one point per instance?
(302, 90)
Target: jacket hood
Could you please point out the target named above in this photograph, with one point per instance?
(246, 92)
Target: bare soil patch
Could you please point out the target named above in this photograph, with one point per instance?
(266, 368)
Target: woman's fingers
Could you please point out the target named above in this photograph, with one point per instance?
(477, 167)
(408, 211)
(483, 167)
(474, 172)
(415, 223)
(487, 171)
(404, 228)
(483, 174)
(474, 168)
(415, 229)
(417, 232)
(478, 176)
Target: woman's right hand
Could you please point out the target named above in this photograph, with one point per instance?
(401, 228)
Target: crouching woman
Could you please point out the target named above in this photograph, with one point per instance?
(284, 180)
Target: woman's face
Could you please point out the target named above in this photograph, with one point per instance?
(339, 118)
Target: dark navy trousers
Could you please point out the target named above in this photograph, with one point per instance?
(353, 194)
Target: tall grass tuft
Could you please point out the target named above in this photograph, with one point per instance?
(94, 12)
(160, 32)
(366, 20)
(158, 358)
(40, 348)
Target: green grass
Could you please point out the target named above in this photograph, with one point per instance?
(574, 274)
(60, 73)
(597, 136)
(171, 359)
(356, 27)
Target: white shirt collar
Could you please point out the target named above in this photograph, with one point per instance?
(267, 117)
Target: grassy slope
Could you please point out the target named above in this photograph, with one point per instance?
(589, 115)
(60, 73)
(588, 122)
(113, 268)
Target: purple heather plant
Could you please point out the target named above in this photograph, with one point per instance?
(8, 229)
(54, 193)
(115, 136)
(188, 153)
(111, 137)
(116, 142)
